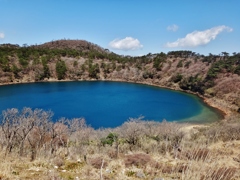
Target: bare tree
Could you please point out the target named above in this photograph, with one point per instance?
(170, 134)
(75, 125)
(58, 134)
(38, 136)
(132, 131)
(10, 127)
(26, 123)
(80, 136)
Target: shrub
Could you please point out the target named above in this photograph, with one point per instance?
(137, 160)
(73, 165)
(109, 139)
(75, 64)
(15, 70)
(93, 70)
(177, 78)
(98, 162)
(180, 64)
(187, 64)
(148, 74)
(58, 161)
(225, 131)
(130, 173)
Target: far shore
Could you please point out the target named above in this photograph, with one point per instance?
(214, 103)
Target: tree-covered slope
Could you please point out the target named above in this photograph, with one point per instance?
(214, 76)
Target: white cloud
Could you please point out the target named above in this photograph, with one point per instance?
(2, 35)
(198, 38)
(126, 44)
(173, 28)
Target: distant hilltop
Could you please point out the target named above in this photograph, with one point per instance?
(214, 77)
(80, 45)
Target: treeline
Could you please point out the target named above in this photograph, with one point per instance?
(224, 65)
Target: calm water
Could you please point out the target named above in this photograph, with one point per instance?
(107, 104)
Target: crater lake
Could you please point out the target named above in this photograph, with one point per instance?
(108, 104)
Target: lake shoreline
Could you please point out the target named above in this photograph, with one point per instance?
(212, 102)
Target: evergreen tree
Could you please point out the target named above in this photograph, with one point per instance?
(61, 69)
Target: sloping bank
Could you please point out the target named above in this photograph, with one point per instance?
(222, 107)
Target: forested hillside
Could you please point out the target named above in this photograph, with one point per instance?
(216, 77)
(33, 146)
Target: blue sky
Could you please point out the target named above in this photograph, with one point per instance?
(128, 27)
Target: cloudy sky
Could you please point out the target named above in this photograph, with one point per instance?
(128, 27)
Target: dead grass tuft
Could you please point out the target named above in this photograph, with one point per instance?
(223, 173)
(182, 168)
(58, 161)
(139, 160)
(98, 162)
(73, 165)
(198, 154)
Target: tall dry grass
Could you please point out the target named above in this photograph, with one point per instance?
(70, 149)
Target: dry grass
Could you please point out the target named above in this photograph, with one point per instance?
(98, 162)
(201, 153)
(138, 160)
(132, 166)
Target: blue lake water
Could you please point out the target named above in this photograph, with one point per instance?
(107, 104)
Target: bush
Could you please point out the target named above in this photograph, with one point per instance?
(148, 74)
(138, 160)
(93, 70)
(180, 64)
(177, 78)
(15, 70)
(98, 162)
(58, 161)
(187, 64)
(109, 139)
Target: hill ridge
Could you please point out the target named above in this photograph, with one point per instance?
(215, 77)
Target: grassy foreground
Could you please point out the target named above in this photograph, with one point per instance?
(33, 147)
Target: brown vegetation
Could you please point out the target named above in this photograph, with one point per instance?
(215, 77)
(34, 147)
(138, 160)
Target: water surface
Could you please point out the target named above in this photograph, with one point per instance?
(107, 104)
